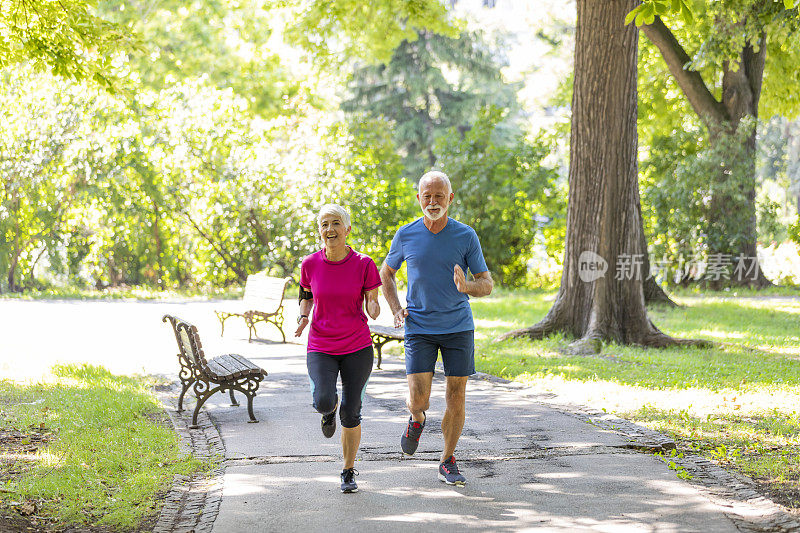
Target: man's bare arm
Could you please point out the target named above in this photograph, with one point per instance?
(481, 285)
(390, 293)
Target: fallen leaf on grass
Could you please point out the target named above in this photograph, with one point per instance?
(27, 508)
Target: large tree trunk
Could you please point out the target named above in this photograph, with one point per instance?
(741, 90)
(603, 213)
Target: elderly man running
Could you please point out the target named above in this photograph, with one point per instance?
(437, 250)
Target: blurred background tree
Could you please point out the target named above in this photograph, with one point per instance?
(727, 61)
(430, 86)
(176, 146)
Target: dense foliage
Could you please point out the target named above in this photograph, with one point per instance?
(503, 191)
(65, 37)
(178, 188)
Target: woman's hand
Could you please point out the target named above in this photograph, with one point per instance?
(301, 326)
(372, 305)
(305, 310)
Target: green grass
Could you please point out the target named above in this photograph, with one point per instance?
(736, 403)
(776, 290)
(107, 450)
(764, 445)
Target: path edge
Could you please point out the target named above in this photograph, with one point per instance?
(192, 503)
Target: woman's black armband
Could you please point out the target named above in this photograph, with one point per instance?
(305, 295)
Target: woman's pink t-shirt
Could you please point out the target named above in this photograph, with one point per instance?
(339, 325)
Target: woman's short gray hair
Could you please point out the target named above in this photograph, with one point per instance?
(436, 175)
(334, 209)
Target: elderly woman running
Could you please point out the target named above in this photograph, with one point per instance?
(335, 282)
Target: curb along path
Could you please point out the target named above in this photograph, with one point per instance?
(193, 502)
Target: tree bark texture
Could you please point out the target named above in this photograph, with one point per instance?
(603, 214)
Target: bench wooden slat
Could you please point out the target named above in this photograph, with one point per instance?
(243, 366)
(264, 305)
(234, 308)
(219, 371)
(226, 371)
(247, 363)
(386, 331)
(186, 344)
(235, 369)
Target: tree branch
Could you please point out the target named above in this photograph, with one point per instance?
(229, 261)
(754, 66)
(709, 109)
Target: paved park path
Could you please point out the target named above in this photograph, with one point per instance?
(532, 462)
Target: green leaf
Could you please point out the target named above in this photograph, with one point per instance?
(686, 12)
(647, 15)
(630, 16)
(676, 5)
(788, 3)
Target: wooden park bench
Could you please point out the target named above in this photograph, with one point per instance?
(383, 334)
(224, 373)
(262, 302)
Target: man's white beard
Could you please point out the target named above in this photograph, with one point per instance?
(434, 216)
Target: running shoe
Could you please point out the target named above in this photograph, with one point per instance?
(349, 481)
(329, 424)
(410, 439)
(448, 472)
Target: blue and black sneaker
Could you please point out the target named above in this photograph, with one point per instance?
(410, 439)
(448, 472)
(329, 424)
(348, 480)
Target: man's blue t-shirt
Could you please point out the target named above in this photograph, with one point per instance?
(433, 302)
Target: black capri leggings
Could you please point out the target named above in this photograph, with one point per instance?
(323, 371)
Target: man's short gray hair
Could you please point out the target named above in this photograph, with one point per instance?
(436, 175)
(334, 209)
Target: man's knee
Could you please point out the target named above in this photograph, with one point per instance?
(456, 392)
(417, 402)
(419, 391)
(455, 396)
